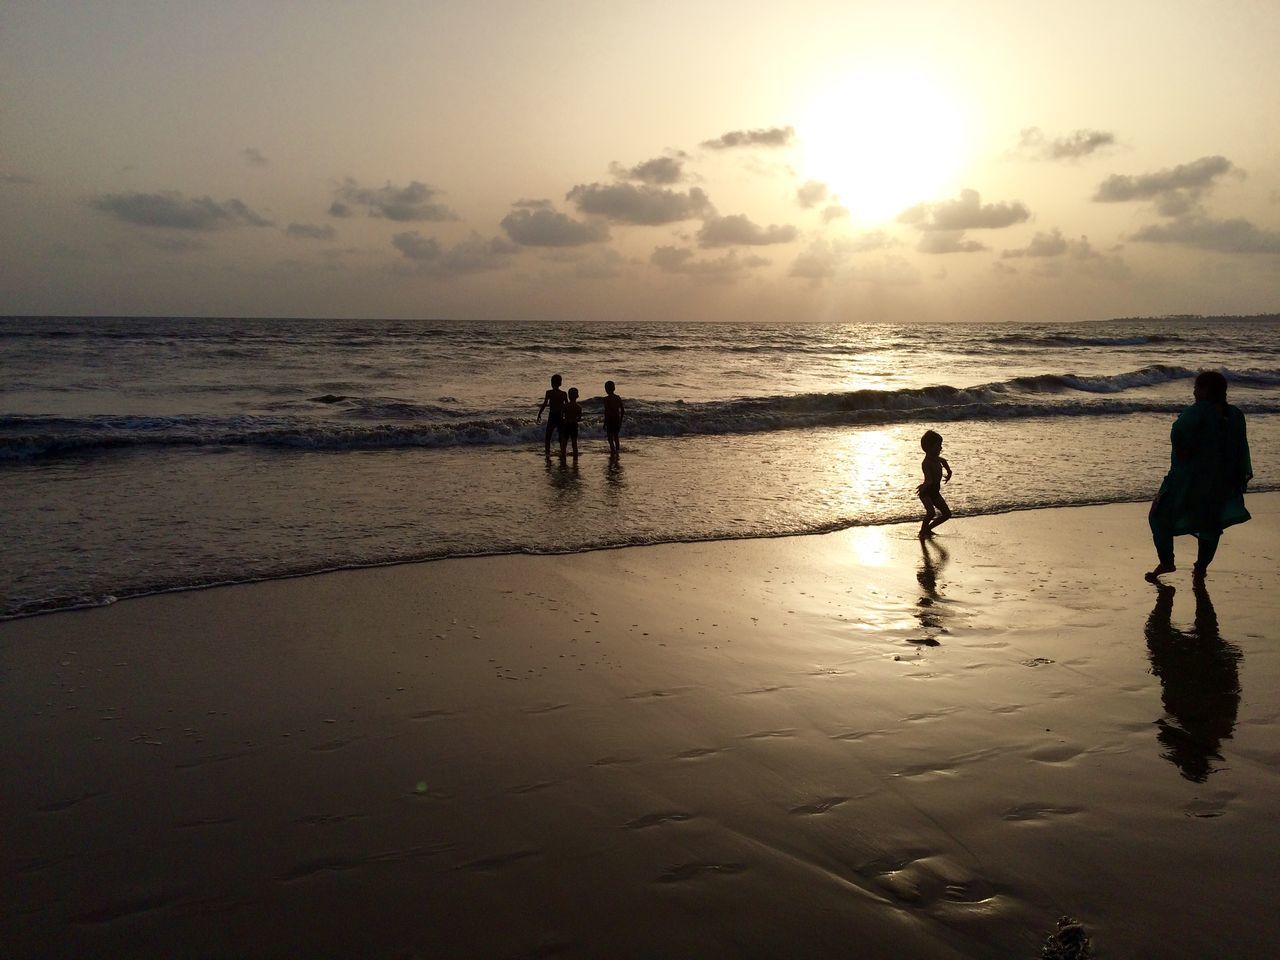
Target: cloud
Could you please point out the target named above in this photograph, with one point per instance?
(474, 255)
(948, 241)
(771, 137)
(1225, 236)
(533, 205)
(310, 231)
(175, 243)
(724, 269)
(811, 193)
(597, 263)
(659, 170)
(417, 201)
(645, 205)
(543, 227)
(1176, 191)
(415, 246)
(820, 262)
(1051, 244)
(16, 178)
(834, 212)
(967, 212)
(824, 258)
(1079, 143)
(737, 229)
(172, 210)
(254, 157)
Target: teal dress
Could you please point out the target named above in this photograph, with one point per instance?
(1203, 492)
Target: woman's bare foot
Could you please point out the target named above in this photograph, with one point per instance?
(1160, 571)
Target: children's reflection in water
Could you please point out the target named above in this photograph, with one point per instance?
(1199, 684)
(563, 479)
(931, 608)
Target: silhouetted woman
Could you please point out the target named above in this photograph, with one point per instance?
(1203, 492)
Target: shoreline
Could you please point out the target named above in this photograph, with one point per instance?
(752, 747)
(80, 605)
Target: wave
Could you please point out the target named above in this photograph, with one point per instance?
(336, 422)
(18, 609)
(1082, 340)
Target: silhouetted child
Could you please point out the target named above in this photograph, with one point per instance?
(613, 414)
(936, 511)
(569, 425)
(553, 398)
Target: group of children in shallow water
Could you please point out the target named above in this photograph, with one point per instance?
(565, 413)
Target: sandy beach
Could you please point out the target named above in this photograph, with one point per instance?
(839, 745)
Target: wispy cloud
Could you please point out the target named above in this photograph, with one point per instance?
(811, 193)
(661, 171)
(544, 227)
(736, 229)
(825, 257)
(1079, 143)
(254, 157)
(769, 137)
(1053, 244)
(644, 205)
(474, 255)
(1176, 190)
(175, 211)
(1225, 236)
(964, 213)
(417, 201)
(723, 269)
(310, 231)
(948, 241)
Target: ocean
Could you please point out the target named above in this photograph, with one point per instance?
(146, 454)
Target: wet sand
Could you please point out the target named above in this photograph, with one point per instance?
(846, 745)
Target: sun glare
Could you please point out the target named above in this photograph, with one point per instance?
(882, 141)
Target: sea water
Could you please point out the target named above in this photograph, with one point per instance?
(145, 454)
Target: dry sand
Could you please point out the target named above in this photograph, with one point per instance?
(846, 745)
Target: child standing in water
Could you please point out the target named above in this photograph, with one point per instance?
(930, 492)
(553, 398)
(569, 427)
(613, 412)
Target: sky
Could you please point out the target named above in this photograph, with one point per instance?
(571, 160)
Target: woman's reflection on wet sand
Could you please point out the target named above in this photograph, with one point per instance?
(1199, 681)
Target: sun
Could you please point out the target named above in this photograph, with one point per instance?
(881, 140)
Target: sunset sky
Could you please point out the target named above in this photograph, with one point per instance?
(553, 160)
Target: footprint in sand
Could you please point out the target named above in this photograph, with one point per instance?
(431, 714)
(545, 708)
(1208, 808)
(690, 871)
(657, 819)
(818, 806)
(1055, 753)
(59, 805)
(769, 735)
(498, 861)
(656, 694)
(927, 880)
(1037, 811)
(932, 715)
(698, 752)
